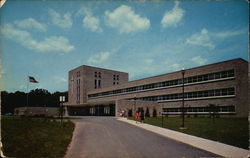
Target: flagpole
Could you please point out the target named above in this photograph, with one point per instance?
(27, 96)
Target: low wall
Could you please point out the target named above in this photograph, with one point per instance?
(33, 111)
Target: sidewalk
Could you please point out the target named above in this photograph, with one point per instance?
(201, 143)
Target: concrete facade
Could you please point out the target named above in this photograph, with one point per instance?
(223, 84)
(86, 78)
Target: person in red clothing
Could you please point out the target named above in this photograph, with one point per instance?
(137, 116)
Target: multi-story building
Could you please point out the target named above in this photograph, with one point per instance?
(220, 88)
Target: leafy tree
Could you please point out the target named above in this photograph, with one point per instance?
(37, 97)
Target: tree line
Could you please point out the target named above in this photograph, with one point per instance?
(36, 98)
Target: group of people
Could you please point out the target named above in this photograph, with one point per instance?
(139, 114)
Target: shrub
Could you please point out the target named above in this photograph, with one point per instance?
(154, 113)
(147, 114)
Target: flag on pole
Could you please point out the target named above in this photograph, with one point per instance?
(32, 79)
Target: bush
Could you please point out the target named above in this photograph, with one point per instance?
(130, 112)
(147, 114)
(154, 113)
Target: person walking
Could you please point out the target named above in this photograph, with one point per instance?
(137, 116)
(142, 115)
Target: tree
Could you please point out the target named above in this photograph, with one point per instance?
(37, 97)
(147, 114)
(154, 112)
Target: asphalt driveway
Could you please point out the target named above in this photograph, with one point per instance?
(106, 137)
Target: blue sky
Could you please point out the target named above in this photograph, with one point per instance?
(46, 39)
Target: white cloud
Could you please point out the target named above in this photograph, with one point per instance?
(63, 21)
(199, 60)
(22, 87)
(208, 39)
(176, 67)
(201, 39)
(60, 79)
(89, 21)
(99, 58)
(92, 23)
(58, 44)
(148, 61)
(227, 34)
(30, 23)
(173, 17)
(125, 20)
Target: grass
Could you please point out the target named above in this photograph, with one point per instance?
(35, 137)
(232, 131)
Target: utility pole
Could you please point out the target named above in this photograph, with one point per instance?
(183, 112)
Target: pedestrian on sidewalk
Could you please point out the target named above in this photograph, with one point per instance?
(137, 116)
(142, 115)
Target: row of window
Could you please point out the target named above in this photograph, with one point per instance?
(188, 80)
(191, 95)
(218, 109)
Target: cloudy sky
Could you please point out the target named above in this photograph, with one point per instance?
(46, 39)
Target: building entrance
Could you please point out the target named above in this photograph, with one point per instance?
(96, 110)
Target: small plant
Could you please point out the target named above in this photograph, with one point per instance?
(130, 112)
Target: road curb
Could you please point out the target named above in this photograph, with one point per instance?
(201, 143)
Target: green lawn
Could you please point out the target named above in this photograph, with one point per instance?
(35, 137)
(232, 131)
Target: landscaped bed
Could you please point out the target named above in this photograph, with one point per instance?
(35, 137)
(232, 131)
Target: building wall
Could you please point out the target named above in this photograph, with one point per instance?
(90, 77)
(239, 82)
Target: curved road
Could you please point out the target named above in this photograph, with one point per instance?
(106, 137)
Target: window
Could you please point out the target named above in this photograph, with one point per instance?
(99, 83)
(217, 75)
(113, 77)
(195, 78)
(78, 74)
(199, 78)
(230, 73)
(95, 74)
(217, 92)
(99, 74)
(211, 76)
(224, 74)
(113, 83)
(117, 77)
(231, 91)
(95, 84)
(205, 77)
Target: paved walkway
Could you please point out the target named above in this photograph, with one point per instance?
(201, 143)
(106, 137)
